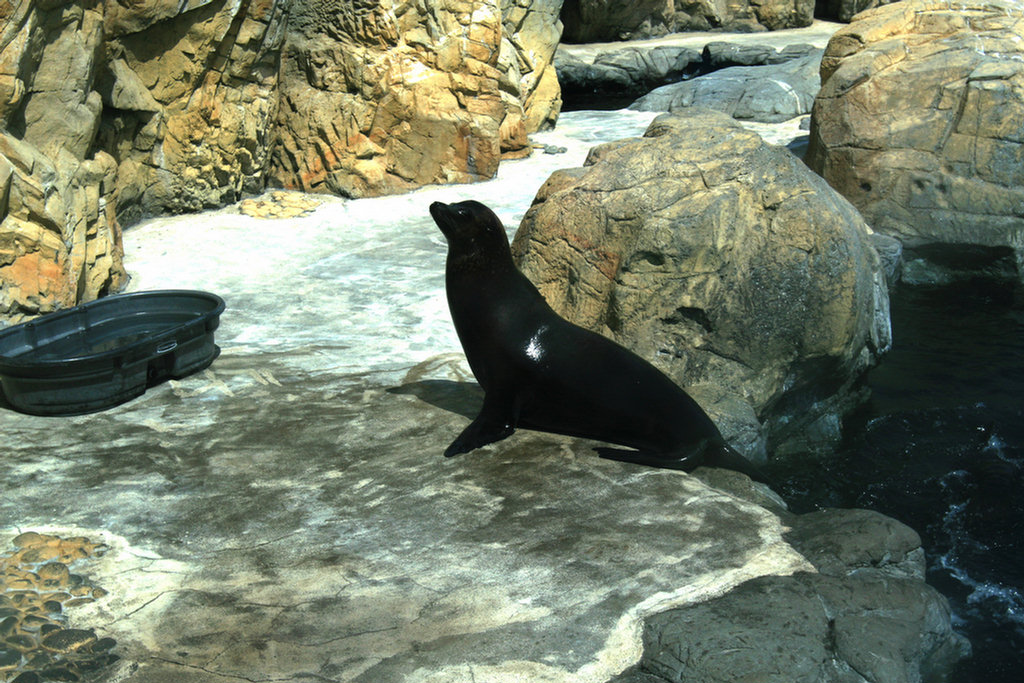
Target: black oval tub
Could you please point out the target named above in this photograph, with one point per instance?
(107, 351)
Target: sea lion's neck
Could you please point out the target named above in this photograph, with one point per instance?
(468, 263)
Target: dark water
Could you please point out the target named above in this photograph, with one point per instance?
(940, 446)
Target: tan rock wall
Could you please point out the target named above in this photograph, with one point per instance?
(60, 242)
(190, 98)
(113, 110)
(399, 106)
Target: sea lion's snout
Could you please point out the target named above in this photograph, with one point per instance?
(444, 215)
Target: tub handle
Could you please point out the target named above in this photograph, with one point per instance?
(167, 346)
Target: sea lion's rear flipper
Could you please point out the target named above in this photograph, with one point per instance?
(725, 456)
(496, 421)
(716, 453)
(685, 463)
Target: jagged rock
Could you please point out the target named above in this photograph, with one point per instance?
(189, 91)
(604, 20)
(533, 30)
(718, 257)
(918, 122)
(427, 94)
(770, 93)
(183, 99)
(60, 243)
(414, 110)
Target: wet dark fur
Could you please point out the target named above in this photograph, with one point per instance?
(539, 371)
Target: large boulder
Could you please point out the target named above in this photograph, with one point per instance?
(919, 119)
(589, 21)
(60, 243)
(832, 617)
(769, 93)
(721, 259)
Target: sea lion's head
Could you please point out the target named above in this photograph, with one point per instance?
(470, 227)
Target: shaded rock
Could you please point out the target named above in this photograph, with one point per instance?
(849, 542)
(918, 122)
(867, 615)
(844, 10)
(719, 258)
(890, 251)
(626, 71)
(760, 93)
(720, 54)
(605, 20)
(633, 70)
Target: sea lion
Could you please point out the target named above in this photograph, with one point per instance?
(539, 371)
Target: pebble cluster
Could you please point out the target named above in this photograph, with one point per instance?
(279, 204)
(37, 586)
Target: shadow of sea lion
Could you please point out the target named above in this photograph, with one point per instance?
(464, 398)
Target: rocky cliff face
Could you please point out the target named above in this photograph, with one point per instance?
(110, 111)
(60, 242)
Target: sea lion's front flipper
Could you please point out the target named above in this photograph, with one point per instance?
(496, 421)
(685, 463)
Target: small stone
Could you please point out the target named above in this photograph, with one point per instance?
(99, 593)
(29, 539)
(9, 659)
(21, 642)
(27, 677)
(75, 602)
(53, 606)
(69, 640)
(8, 625)
(103, 644)
(60, 674)
(21, 598)
(33, 622)
(37, 554)
(54, 573)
